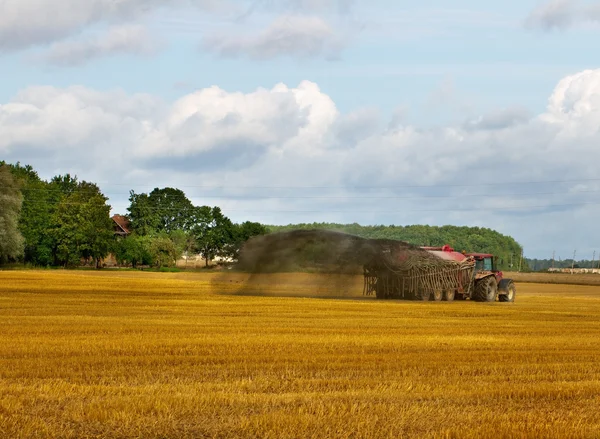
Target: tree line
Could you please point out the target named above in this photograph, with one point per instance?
(470, 239)
(64, 221)
(545, 264)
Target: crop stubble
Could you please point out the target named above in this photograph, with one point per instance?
(126, 354)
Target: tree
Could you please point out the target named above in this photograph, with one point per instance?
(163, 251)
(163, 210)
(82, 227)
(242, 233)
(11, 240)
(133, 250)
(212, 231)
(142, 216)
(39, 200)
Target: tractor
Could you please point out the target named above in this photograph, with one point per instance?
(487, 282)
(435, 273)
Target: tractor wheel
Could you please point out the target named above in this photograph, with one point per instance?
(486, 290)
(379, 291)
(507, 291)
(449, 295)
(437, 295)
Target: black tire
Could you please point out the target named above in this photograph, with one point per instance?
(379, 292)
(449, 295)
(437, 296)
(507, 290)
(486, 290)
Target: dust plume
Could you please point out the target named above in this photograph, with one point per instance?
(331, 263)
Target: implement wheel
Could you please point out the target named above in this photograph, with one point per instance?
(486, 290)
(507, 290)
(437, 295)
(449, 295)
(423, 295)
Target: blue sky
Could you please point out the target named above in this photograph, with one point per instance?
(270, 97)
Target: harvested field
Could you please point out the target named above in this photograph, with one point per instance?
(556, 278)
(185, 355)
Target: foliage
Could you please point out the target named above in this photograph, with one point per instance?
(163, 210)
(470, 239)
(39, 202)
(212, 231)
(133, 250)
(81, 225)
(11, 240)
(545, 264)
(163, 252)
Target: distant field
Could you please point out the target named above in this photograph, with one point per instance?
(190, 355)
(556, 278)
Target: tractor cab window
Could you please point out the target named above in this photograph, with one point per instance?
(484, 264)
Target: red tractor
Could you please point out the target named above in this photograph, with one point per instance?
(486, 284)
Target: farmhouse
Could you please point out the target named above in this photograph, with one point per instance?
(121, 225)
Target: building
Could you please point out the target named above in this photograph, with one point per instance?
(121, 225)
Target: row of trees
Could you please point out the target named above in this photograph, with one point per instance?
(64, 221)
(470, 239)
(58, 222)
(166, 223)
(545, 264)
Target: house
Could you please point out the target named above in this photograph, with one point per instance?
(121, 225)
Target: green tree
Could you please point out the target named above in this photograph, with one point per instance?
(39, 200)
(163, 251)
(82, 228)
(242, 233)
(163, 210)
(212, 231)
(144, 220)
(11, 240)
(134, 250)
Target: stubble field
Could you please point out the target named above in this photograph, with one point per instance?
(186, 355)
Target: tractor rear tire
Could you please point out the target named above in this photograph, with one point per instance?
(486, 290)
(449, 295)
(437, 295)
(507, 291)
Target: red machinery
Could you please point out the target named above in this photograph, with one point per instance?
(488, 283)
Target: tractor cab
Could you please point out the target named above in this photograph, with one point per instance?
(485, 264)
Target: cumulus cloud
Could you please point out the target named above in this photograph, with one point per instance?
(290, 35)
(129, 39)
(24, 23)
(561, 14)
(287, 137)
(499, 119)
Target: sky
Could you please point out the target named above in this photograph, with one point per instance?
(386, 112)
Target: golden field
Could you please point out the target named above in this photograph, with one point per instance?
(556, 278)
(187, 355)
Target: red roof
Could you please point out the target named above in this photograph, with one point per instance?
(122, 223)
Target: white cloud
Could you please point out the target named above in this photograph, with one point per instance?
(128, 39)
(290, 35)
(561, 14)
(25, 23)
(287, 137)
(342, 7)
